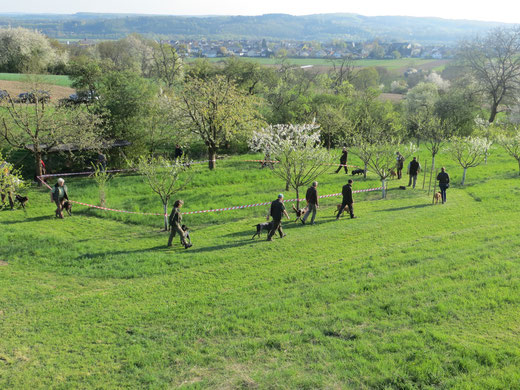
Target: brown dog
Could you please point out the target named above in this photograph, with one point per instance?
(437, 197)
(338, 208)
(393, 175)
(299, 212)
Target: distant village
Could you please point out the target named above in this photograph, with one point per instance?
(203, 48)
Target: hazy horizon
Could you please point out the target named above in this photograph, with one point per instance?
(502, 10)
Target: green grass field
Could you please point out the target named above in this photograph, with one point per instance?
(407, 296)
(60, 80)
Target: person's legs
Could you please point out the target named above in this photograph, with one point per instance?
(59, 208)
(172, 234)
(306, 215)
(313, 213)
(346, 168)
(410, 180)
(280, 231)
(340, 212)
(182, 236)
(11, 201)
(351, 210)
(443, 194)
(399, 173)
(414, 180)
(339, 169)
(276, 224)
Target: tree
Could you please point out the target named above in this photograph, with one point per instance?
(216, 111)
(39, 128)
(365, 78)
(167, 65)
(342, 71)
(469, 152)
(26, 51)
(509, 139)
(10, 179)
(165, 178)
(301, 159)
(494, 61)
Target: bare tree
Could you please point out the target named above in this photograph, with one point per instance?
(167, 65)
(495, 63)
(39, 127)
(342, 70)
(165, 178)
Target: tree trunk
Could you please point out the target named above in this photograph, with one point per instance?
(365, 171)
(433, 162)
(464, 176)
(287, 185)
(212, 157)
(493, 114)
(383, 182)
(485, 157)
(297, 198)
(38, 166)
(518, 167)
(165, 208)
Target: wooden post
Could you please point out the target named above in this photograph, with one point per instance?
(424, 176)
(430, 184)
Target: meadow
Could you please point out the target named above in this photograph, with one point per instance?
(408, 296)
(60, 80)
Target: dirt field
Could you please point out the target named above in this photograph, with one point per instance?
(14, 88)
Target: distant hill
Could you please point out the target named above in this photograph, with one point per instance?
(320, 27)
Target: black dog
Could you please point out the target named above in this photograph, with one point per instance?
(22, 200)
(67, 206)
(186, 231)
(358, 172)
(262, 226)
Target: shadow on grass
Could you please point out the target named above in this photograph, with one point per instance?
(32, 219)
(418, 206)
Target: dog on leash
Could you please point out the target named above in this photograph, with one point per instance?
(186, 231)
(358, 172)
(67, 206)
(22, 200)
(437, 197)
(393, 175)
(299, 212)
(268, 226)
(338, 208)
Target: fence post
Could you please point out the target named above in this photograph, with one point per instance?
(424, 176)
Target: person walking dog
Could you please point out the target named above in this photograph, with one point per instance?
(444, 183)
(175, 220)
(59, 195)
(312, 202)
(343, 161)
(413, 169)
(347, 200)
(277, 210)
(399, 165)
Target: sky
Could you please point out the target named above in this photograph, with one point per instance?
(497, 11)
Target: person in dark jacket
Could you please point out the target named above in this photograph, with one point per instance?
(59, 195)
(399, 165)
(413, 169)
(178, 152)
(312, 202)
(444, 183)
(347, 200)
(343, 161)
(277, 210)
(175, 220)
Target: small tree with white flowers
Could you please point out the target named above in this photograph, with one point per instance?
(469, 152)
(301, 158)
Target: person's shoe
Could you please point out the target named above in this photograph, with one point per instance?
(283, 235)
(188, 246)
(269, 239)
(353, 217)
(313, 223)
(303, 222)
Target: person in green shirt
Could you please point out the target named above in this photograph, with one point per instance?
(59, 195)
(175, 220)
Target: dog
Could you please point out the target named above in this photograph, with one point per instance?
(299, 212)
(262, 226)
(338, 208)
(437, 197)
(22, 200)
(67, 206)
(358, 172)
(393, 175)
(186, 231)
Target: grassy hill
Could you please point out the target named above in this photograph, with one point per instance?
(409, 295)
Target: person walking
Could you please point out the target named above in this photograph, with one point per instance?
(312, 202)
(175, 220)
(6, 184)
(347, 200)
(277, 210)
(413, 170)
(343, 161)
(399, 165)
(444, 183)
(178, 152)
(59, 195)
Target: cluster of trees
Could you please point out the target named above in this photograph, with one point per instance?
(145, 93)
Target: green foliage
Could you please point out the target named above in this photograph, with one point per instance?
(365, 79)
